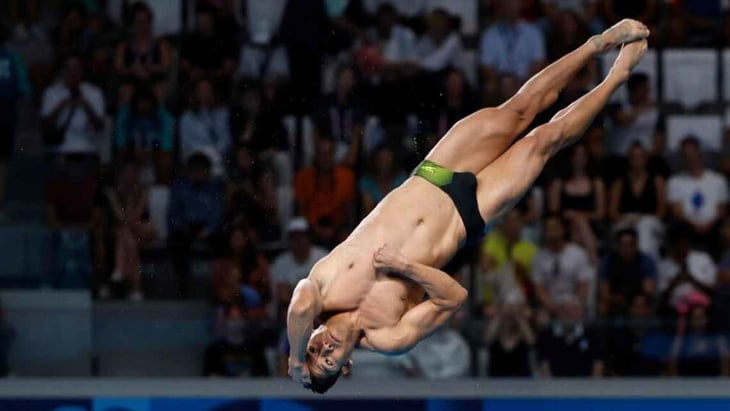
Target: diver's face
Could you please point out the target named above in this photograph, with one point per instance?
(326, 353)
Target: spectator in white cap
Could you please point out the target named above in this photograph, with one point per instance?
(295, 263)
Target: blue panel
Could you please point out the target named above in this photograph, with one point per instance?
(453, 405)
(284, 405)
(121, 404)
(45, 405)
(186, 404)
(599, 404)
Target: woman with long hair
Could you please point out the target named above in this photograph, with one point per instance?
(580, 197)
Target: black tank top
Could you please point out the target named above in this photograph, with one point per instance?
(643, 203)
(580, 202)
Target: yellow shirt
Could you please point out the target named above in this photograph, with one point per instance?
(495, 245)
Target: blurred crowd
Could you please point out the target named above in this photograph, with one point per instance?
(252, 136)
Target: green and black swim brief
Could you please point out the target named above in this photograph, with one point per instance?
(462, 188)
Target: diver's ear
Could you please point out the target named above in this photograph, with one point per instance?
(347, 367)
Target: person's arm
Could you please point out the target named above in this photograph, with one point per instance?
(614, 207)
(443, 56)
(446, 296)
(598, 369)
(490, 332)
(366, 202)
(661, 194)
(119, 64)
(93, 107)
(672, 369)
(553, 201)
(305, 306)
(163, 66)
(223, 129)
(353, 150)
(528, 334)
(50, 115)
(724, 356)
(600, 209)
(545, 370)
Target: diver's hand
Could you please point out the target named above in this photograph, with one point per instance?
(299, 372)
(388, 259)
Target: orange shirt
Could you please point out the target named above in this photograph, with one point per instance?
(319, 197)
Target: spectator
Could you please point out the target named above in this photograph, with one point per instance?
(142, 60)
(440, 46)
(295, 263)
(128, 203)
(637, 347)
(570, 348)
(144, 135)
(511, 46)
(636, 121)
(580, 198)
(303, 30)
(442, 356)
(261, 55)
(252, 266)
(685, 271)
(257, 123)
(510, 339)
(206, 52)
(74, 216)
(721, 297)
(642, 10)
(254, 200)
(325, 194)
(585, 10)
(73, 112)
(69, 35)
(456, 103)
(567, 33)
(638, 200)
(561, 270)
(341, 116)
(674, 30)
(506, 260)
(397, 43)
(194, 215)
(624, 274)
(205, 128)
(7, 335)
(384, 176)
(699, 352)
(240, 184)
(699, 196)
(13, 85)
(237, 349)
(704, 20)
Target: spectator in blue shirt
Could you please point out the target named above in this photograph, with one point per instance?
(511, 46)
(625, 273)
(194, 215)
(144, 134)
(13, 85)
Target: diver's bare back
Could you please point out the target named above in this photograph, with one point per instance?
(420, 221)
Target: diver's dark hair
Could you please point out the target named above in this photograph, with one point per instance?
(321, 385)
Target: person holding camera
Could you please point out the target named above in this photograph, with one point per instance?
(72, 111)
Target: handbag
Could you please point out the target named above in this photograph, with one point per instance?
(54, 135)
